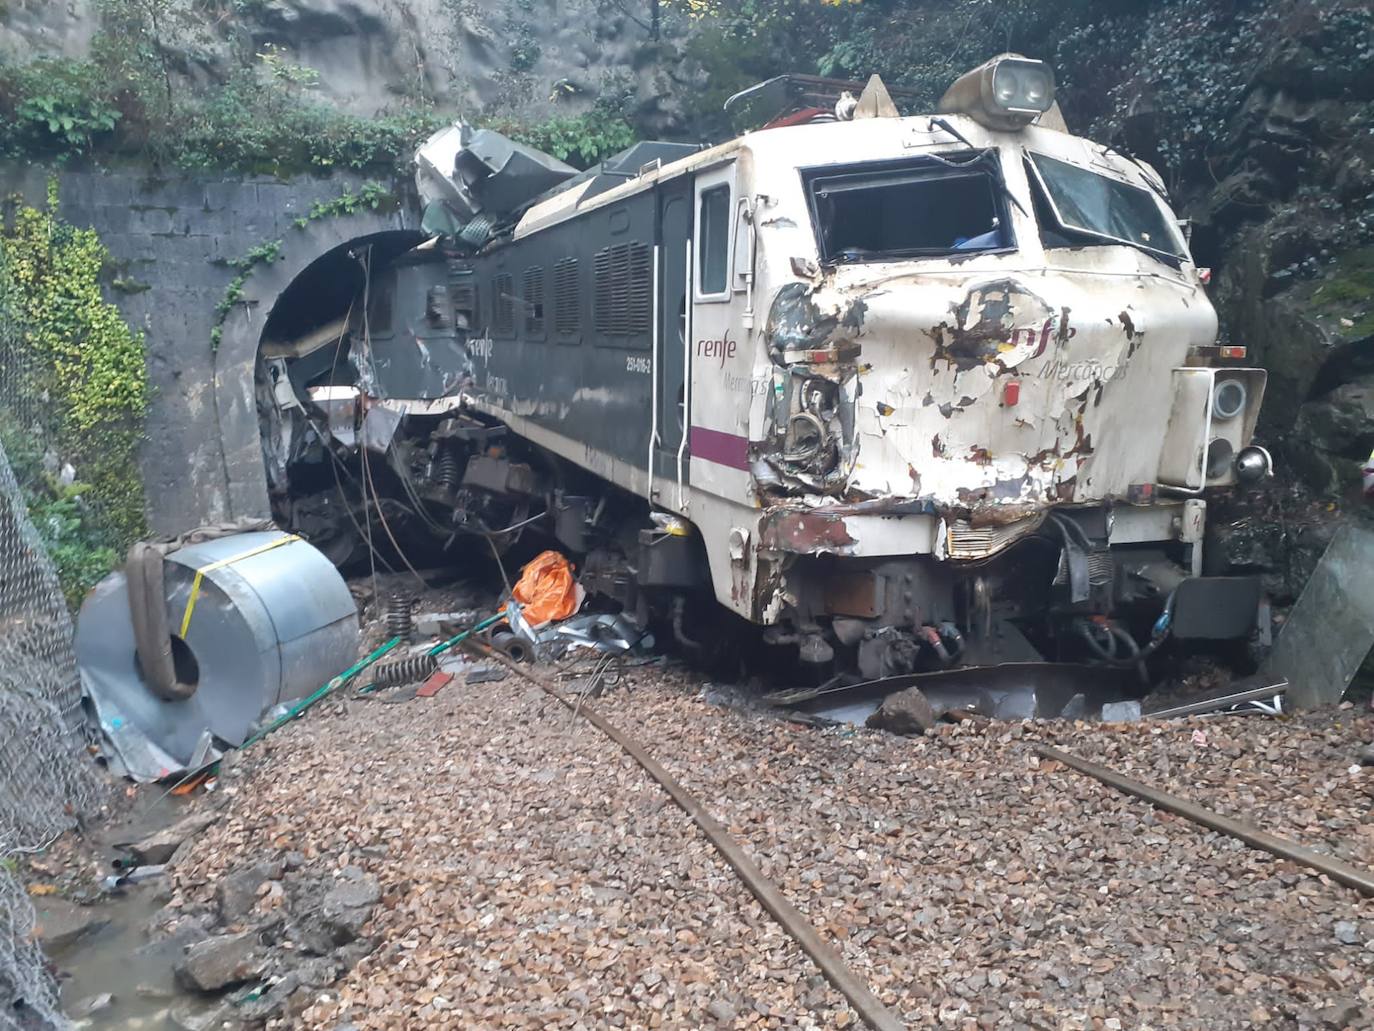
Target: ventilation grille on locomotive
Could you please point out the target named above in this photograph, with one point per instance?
(503, 305)
(565, 297)
(534, 301)
(624, 285)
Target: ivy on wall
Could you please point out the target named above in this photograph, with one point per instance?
(371, 195)
(73, 394)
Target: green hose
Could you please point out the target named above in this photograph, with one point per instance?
(329, 687)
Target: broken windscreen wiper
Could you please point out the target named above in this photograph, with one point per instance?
(1001, 183)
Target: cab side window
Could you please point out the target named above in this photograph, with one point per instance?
(714, 245)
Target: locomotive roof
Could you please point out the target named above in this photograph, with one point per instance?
(822, 143)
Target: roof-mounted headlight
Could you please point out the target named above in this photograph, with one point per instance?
(1008, 92)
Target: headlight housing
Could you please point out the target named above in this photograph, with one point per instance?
(1008, 92)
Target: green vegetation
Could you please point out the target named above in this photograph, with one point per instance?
(1160, 78)
(262, 254)
(1348, 293)
(371, 195)
(130, 99)
(75, 391)
(581, 140)
(265, 117)
(60, 105)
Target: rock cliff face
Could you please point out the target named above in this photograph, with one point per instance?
(525, 58)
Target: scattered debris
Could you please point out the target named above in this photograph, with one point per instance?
(437, 682)
(1010, 691)
(1120, 712)
(93, 1006)
(485, 675)
(547, 590)
(1267, 699)
(606, 632)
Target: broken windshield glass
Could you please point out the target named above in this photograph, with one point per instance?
(927, 207)
(1085, 202)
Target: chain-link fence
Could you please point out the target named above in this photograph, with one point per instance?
(46, 783)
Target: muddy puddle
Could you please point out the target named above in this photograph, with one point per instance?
(116, 956)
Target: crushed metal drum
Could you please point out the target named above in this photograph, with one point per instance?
(257, 619)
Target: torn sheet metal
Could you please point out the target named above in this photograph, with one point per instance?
(253, 625)
(1331, 628)
(1009, 691)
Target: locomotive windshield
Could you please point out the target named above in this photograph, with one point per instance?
(932, 206)
(1085, 202)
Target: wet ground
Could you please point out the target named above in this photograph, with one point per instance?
(532, 876)
(104, 945)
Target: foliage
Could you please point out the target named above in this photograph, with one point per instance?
(371, 195)
(581, 140)
(1160, 78)
(130, 97)
(63, 518)
(265, 119)
(262, 254)
(75, 394)
(54, 107)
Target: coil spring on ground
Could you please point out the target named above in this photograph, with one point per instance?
(404, 671)
(398, 623)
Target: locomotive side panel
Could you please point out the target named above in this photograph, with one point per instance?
(566, 332)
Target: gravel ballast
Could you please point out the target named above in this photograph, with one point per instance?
(532, 876)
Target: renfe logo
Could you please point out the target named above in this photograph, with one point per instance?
(717, 349)
(1036, 339)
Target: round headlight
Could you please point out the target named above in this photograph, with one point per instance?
(1219, 455)
(1253, 463)
(1036, 89)
(1228, 399)
(1006, 86)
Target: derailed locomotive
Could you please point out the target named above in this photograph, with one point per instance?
(902, 391)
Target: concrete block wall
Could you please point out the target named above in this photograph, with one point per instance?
(171, 241)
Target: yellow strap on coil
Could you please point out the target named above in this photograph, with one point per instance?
(200, 574)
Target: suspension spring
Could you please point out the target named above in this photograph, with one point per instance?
(447, 472)
(404, 671)
(398, 622)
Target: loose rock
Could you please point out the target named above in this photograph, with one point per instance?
(221, 961)
(904, 712)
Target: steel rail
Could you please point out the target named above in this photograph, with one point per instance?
(1359, 878)
(788, 917)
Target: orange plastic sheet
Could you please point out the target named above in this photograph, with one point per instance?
(547, 589)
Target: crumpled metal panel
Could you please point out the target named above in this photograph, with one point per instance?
(265, 629)
(1331, 628)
